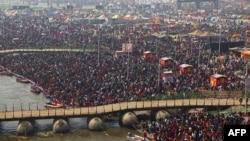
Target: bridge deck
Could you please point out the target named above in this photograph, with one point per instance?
(114, 108)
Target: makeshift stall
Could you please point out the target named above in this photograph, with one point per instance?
(167, 76)
(148, 55)
(166, 61)
(185, 69)
(218, 80)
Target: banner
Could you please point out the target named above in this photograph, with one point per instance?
(127, 47)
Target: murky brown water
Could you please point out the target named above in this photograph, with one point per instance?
(16, 94)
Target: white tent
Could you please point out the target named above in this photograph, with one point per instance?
(101, 17)
(115, 17)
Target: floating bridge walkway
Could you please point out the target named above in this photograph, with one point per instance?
(6, 115)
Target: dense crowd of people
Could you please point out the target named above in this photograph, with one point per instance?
(196, 126)
(98, 77)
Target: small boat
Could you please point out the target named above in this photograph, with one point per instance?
(134, 137)
(22, 80)
(5, 72)
(50, 104)
(141, 130)
(35, 89)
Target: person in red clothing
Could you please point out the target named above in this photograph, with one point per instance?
(145, 135)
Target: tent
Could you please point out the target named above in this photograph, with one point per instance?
(218, 80)
(115, 17)
(159, 35)
(245, 54)
(101, 17)
(148, 55)
(196, 33)
(166, 61)
(185, 69)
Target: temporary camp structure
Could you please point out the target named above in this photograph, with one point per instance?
(166, 61)
(218, 80)
(185, 69)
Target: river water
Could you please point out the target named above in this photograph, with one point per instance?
(17, 95)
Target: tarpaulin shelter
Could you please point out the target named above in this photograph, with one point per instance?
(245, 54)
(115, 17)
(185, 69)
(166, 61)
(196, 33)
(148, 55)
(218, 80)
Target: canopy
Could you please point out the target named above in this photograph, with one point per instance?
(218, 75)
(208, 34)
(235, 35)
(115, 17)
(159, 35)
(165, 58)
(196, 33)
(101, 17)
(185, 65)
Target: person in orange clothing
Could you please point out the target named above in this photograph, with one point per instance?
(72, 102)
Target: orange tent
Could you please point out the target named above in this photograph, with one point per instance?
(185, 69)
(166, 61)
(245, 54)
(218, 80)
(148, 55)
(235, 35)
